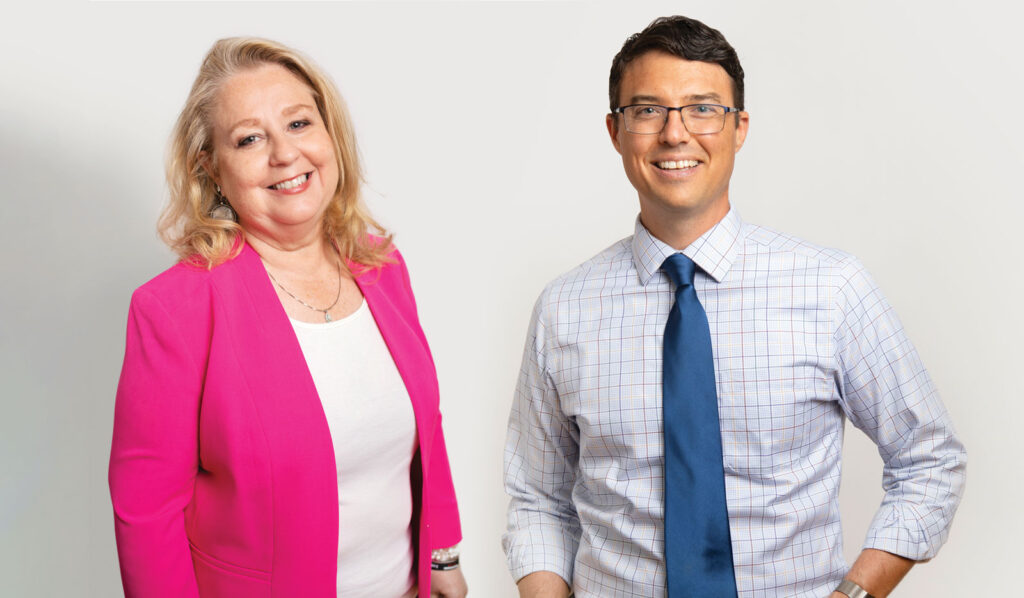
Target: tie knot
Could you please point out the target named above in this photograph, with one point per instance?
(679, 268)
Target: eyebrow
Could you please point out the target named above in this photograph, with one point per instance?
(697, 97)
(252, 122)
(296, 108)
(248, 122)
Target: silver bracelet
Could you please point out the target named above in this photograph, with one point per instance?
(852, 590)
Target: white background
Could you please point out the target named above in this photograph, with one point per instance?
(891, 130)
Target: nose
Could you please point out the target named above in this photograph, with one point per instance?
(674, 132)
(283, 151)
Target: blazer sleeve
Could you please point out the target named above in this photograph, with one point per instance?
(443, 515)
(154, 454)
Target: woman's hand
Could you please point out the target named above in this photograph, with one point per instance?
(447, 584)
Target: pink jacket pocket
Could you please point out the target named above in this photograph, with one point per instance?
(220, 579)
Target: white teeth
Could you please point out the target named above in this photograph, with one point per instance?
(291, 183)
(677, 165)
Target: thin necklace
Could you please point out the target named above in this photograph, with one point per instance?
(327, 316)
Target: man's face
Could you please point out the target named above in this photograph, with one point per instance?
(678, 175)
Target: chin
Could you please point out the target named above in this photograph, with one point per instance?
(679, 205)
(684, 206)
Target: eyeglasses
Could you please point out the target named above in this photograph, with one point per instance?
(650, 119)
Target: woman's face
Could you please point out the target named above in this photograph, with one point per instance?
(275, 160)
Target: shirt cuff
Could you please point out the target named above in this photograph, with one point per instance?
(900, 530)
(534, 549)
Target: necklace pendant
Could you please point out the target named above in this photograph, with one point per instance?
(327, 317)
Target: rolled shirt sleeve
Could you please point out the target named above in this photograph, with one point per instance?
(887, 393)
(541, 454)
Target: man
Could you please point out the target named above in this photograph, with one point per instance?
(677, 426)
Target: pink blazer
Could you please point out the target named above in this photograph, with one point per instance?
(222, 470)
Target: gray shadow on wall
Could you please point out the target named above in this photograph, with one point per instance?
(78, 237)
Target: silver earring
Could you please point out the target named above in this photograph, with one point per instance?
(223, 210)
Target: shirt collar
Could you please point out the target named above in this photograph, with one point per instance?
(713, 252)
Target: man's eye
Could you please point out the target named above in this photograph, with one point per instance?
(704, 110)
(646, 112)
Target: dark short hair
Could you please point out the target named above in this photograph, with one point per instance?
(684, 37)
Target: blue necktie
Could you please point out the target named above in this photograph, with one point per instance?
(698, 551)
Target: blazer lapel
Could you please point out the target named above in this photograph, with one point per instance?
(282, 392)
(411, 357)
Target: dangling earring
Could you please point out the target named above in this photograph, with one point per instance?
(223, 210)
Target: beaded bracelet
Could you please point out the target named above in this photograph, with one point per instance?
(445, 555)
(444, 559)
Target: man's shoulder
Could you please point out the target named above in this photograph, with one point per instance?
(605, 274)
(762, 239)
(610, 264)
(842, 273)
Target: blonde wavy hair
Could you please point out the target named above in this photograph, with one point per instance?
(186, 225)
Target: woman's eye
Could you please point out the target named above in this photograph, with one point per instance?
(247, 140)
(298, 124)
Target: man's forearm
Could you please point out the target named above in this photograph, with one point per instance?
(543, 584)
(877, 571)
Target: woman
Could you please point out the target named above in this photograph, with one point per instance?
(277, 386)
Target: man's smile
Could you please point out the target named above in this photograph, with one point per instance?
(677, 164)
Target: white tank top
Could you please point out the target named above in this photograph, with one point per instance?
(374, 433)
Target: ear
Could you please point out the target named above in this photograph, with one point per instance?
(611, 121)
(209, 165)
(741, 129)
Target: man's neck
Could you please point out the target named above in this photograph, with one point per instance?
(679, 229)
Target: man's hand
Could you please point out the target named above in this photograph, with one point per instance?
(448, 584)
(543, 584)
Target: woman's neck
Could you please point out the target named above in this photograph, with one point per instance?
(305, 257)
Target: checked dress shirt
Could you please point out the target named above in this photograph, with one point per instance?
(802, 340)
